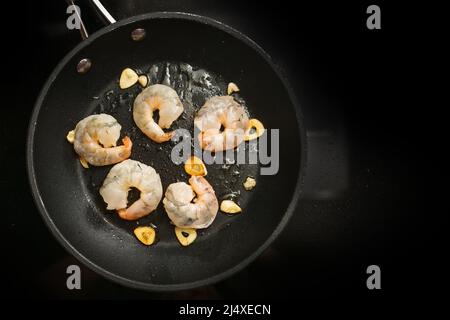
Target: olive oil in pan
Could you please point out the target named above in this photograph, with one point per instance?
(194, 86)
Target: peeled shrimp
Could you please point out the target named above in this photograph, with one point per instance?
(121, 178)
(157, 97)
(184, 213)
(96, 138)
(215, 113)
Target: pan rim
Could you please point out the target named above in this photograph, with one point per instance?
(145, 285)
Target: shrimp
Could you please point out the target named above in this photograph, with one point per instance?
(183, 212)
(157, 97)
(215, 113)
(96, 138)
(121, 178)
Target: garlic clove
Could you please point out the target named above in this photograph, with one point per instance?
(232, 87)
(146, 235)
(84, 163)
(229, 206)
(128, 78)
(195, 167)
(143, 80)
(249, 183)
(259, 129)
(185, 235)
(71, 136)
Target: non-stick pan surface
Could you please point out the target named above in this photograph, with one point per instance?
(67, 195)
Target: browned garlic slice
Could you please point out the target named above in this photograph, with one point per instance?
(84, 163)
(185, 235)
(71, 136)
(146, 235)
(232, 87)
(128, 78)
(249, 183)
(259, 129)
(195, 167)
(143, 80)
(229, 206)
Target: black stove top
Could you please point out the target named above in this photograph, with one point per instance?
(360, 200)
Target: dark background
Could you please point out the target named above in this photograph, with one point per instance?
(364, 201)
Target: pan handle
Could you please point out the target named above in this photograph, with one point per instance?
(105, 13)
(101, 9)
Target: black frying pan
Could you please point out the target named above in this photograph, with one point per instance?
(67, 195)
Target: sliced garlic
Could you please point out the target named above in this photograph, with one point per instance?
(185, 235)
(71, 136)
(232, 87)
(146, 235)
(143, 80)
(259, 129)
(128, 78)
(229, 206)
(249, 183)
(84, 163)
(195, 167)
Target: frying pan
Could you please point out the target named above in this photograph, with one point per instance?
(67, 195)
